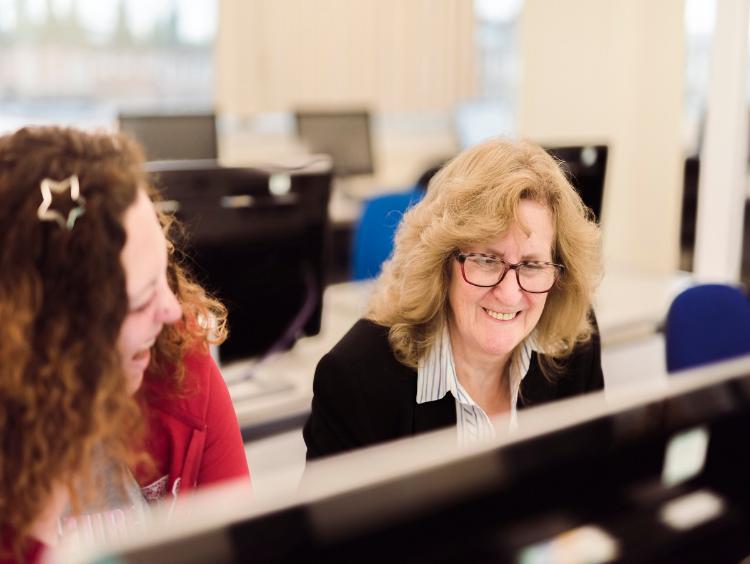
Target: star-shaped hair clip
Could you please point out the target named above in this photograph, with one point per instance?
(48, 186)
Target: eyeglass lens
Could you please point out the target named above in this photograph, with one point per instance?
(483, 271)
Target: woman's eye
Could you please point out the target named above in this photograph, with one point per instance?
(486, 262)
(145, 306)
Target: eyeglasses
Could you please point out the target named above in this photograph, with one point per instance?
(486, 271)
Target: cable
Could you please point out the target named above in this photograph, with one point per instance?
(293, 330)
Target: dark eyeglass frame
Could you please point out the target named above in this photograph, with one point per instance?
(461, 258)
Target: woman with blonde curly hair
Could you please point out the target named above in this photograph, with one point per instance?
(109, 398)
(485, 306)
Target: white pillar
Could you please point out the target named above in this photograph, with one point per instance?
(611, 71)
(723, 173)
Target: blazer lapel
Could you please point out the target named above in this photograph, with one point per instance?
(535, 388)
(434, 414)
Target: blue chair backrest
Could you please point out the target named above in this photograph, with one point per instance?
(373, 237)
(707, 323)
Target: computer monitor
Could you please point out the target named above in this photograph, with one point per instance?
(587, 169)
(256, 238)
(653, 474)
(689, 212)
(344, 135)
(173, 136)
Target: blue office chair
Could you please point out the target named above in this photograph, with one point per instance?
(373, 236)
(705, 324)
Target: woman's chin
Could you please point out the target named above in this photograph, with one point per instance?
(135, 379)
(135, 368)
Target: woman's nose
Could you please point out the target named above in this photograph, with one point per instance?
(169, 310)
(508, 290)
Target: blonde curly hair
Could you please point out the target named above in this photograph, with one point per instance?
(472, 200)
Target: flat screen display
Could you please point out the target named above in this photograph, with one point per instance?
(345, 136)
(173, 136)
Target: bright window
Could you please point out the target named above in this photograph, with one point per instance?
(82, 61)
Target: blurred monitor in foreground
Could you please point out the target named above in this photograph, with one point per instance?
(344, 135)
(256, 238)
(173, 136)
(656, 474)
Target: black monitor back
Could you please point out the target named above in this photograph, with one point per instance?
(344, 135)
(173, 136)
(604, 468)
(256, 239)
(689, 215)
(535, 496)
(586, 167)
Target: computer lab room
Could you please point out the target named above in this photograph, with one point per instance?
(419, 281)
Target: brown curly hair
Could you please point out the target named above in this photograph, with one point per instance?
(62, 301)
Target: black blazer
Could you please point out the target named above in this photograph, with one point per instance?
(362, 395)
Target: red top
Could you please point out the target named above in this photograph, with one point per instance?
(31, 555)
(194, 438)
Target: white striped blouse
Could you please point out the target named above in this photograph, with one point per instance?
(436, 376)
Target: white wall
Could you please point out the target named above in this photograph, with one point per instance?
(414, 58)
(390, 55)
(612, 71)
(722, 189)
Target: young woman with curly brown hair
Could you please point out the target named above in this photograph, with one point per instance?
(109, 397)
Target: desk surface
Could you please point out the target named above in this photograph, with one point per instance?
(628, 306)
